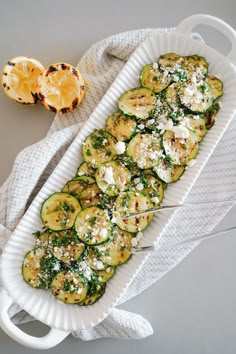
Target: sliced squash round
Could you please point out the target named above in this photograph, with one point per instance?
(112, 178)
(93, 226)
(77, 185)
(59, 211)
(69, 287)
(121, 126)
(139, 102)
(145, 150)
(154, 79)
(131, 202)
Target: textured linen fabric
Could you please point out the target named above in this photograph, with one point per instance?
(99, 67)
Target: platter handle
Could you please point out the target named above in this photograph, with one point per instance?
(186, 26)
(54, 337)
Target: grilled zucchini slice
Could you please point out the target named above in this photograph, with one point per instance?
(113, 178)
(104, 275)
(117, 250)
(63, 245)
(70, 287)
(121, 126)
(93, 226)
(210, 115)
(216, 86)
(85, 170)
(131, 202)
(77, 185)
(169, 61)
(139, 102)
(99, 147)
(196, 125)
(196, 98)
(90, 196)
(154, 189)
(95, 293)
(171, 94)
(154, 79)
(59, 211)
(145, 150)
(180, 152)
(167, 172)
(195, 65)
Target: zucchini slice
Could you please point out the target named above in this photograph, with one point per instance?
(64, 247)
(145, 150)
(172, 95)
(59, 211)
(131, 202)
(196, 98)
(139, 102)
(195, 65)
(99, 147)
(167, 172)
(210, 115)
(93, 226)
(121, 126)
(69, 287)
(77, 185)
(113, 178)
(154, 79)
(153, 187)
(39, 267)
(169, 61)
(104, 275)
(90, 196)
(117, 250)
(93, 259)
(85, 170)
(196, 125)
(181, 151)
(216, 86)
(95, 293)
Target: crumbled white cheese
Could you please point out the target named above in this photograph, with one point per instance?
(141, 126)
(180, 132)
(108, 269)
(136, 180)
(99, 265)
(79, 290)
(120, 147)
(57, 266)
(155, 200)
(155, 66)
(169, 125)
(108, 175)
(103, 232)
(153, 155)
(81, 173)
(139, 186)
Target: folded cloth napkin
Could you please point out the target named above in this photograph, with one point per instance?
(99, 67)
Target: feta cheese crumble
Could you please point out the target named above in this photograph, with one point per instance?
(180, 132)
(120, 147)
(108, 175)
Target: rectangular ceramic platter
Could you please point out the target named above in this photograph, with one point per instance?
(42, 304)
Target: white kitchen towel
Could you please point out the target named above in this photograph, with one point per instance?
(99, 67)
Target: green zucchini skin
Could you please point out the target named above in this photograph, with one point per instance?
(121, 126)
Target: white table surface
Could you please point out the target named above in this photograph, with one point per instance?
(193, 308)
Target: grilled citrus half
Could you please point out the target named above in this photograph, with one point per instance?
(60, 88)
(19, 79)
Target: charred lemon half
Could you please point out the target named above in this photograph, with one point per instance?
(60, 88)
(19, 79)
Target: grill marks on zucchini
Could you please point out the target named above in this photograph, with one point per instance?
(139, 102)
(93, 226)
(59, 211)
(121, 126)
(113, 178)
(131, 202)
(99, 147)
(145, 145)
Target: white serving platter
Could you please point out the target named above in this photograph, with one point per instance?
(41, 304)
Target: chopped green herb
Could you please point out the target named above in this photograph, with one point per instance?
(37, 233)
(92, 221)
(155, 78)
(168, 161)
(88, 152)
